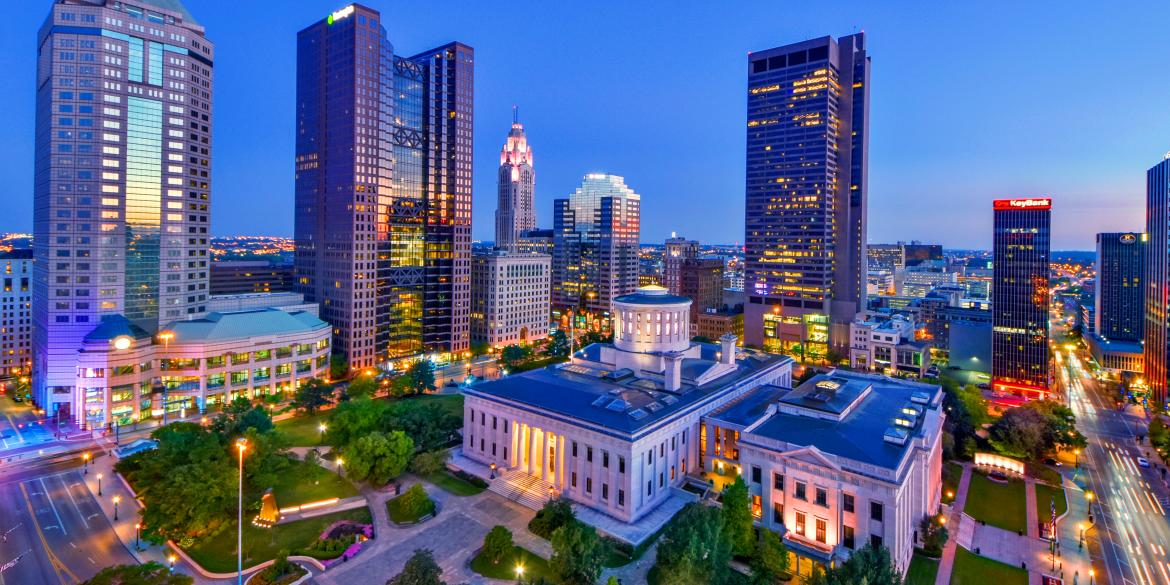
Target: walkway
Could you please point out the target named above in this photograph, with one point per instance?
(956, 518)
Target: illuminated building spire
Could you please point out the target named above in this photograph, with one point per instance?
(515, 210)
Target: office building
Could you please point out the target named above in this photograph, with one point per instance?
(715, 323)
(920, 280)
(885, 257)
(595, 249)
(510, 297)
(968, 338)
(538, 241)
(676, 251)
(516, 208)
(383, 189)
(807, 161)
(701, 280)
(888, 344)
(233, 277)
(917, 253)
(1119, 303)
(1019, 341)
(1157, 344)
(122, 179)
(16, 272)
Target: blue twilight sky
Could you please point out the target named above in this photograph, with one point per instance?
(970, 101)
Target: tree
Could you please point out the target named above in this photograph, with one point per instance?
(480, 348)
(1020, 432)
(353, 419)
(834, 357)
(694, 547)
(362, 387)
(737, 518)
(414, 503)
(867, 565)
(428, 423)
(239, 416)
(338, 367)
(378, 457)
(313, 394)
(497, 544)
(558, 344)
(267, 458)
(934, 535)
(555, 514)
(421, 375)
(429, 462)
(771, 559)
(1159, 434)
(150, 573)
(420, 569)
(577, 554)
(514, 355)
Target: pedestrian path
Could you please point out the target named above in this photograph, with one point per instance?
(956, 517)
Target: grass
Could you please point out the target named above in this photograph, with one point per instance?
(401, 516)
(1045, 495)
(951, 474)
(453, 485)
(218, 553)
(303, 483)
(1043, 473)
(922, 571)
(302, 430)
(972, 569)
(1002, 505)
(534, 566)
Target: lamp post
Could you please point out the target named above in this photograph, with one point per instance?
(171, 559)
(1081, 544)
(99, 476)
(1077, 458)
(1089, 496)
(340, 462)
(1092, 574)
(116, 500)
(241, 446)
(493, 474)
(321, 427)
(85, 458)
(519, 572)
(137, 531)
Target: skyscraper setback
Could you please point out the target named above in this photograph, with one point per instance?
(122, 177)
(807, 161)
(1157, 342)
(1019, 335)
(383, 188)
(516, 208)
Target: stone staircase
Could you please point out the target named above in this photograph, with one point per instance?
(527, 490)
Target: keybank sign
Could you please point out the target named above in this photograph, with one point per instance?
(340, 14)
(1044, 203)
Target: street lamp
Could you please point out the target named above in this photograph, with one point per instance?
(171, 559)
(116, 500)
(321, 427)
(1082, 542)
(493, 474)
(99, 484)
(1077, 454)
(1089, 496)
(241, 446)
(340, 462)
(1092, 573)
(85, 457)
(519, 572)
(137, 531)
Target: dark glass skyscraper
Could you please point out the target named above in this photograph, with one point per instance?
(1157, 349)
(383, 188)
(1118, 305)
(1019, 338)
(807, 160)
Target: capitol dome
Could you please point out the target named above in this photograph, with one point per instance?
(651, 320)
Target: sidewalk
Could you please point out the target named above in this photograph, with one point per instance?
(1074, 560)
(955, 518)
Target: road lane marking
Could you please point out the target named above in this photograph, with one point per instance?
(54, 506)
(58, 566)
(69, 492)
(16, 430)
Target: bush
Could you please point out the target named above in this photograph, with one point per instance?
(415, 501)
(555, 514)
(429, 462)
(497, 544)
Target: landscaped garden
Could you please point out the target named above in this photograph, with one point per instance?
(304, 482)
(217, 553)
(972, 569)
(455, 484)
(999, 504)
(411, 506)
(922, 571)
(533, 566)
(303, 430)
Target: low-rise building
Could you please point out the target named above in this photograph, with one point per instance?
(1116, 356)
(887, 343)
(510, 297)
(16, 269)
(125, 374)
(713, 324)
(229, 277)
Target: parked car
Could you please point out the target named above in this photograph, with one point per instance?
(1052, 462)
(1143, 462)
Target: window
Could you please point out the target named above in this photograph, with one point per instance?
(574, 448)
(605, 459)
(800, 491)
(847, 537)
(875, 541)
(875, 511)
(778, 481)
(621, 464)
(848, 502)
(649, 486)
(756, 473)
(588, 485)
(661, 479)
(621, 497)
(821, 529)
(589, 454)
(777, 512)
(822, 497)
(573, 479)
(605, 491)
(800, 523)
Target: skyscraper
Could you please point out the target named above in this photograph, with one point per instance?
(515, 210)
(1118, 305)
(1157, 349)
(807, 161)
(1019, 338)
(677, 251)
(595, 243)
(383, 188)
(122, 177)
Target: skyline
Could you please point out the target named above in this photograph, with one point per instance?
(919, 146)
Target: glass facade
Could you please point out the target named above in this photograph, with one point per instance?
(596, 243)
(1019, 335)
(143, 207)
(1157, 274)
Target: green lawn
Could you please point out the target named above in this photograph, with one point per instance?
(1045, 495)
(302, 430)
(400, 516)
(303, 483)
(972, 569)
(218, 553)
(534, 566)
(454, 485)
(1043, 473)
(922, 571)
(997, 504)
(951, 474)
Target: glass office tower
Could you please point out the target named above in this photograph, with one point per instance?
(383, 189)
(1119, 302)
(807, 145)
(122, 177)
(1019, 307)
(595, 243)
(1157, 346)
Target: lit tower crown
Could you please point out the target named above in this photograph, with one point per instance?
(515, 210)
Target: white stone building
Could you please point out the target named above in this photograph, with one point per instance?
(510, 297)
(887, 344)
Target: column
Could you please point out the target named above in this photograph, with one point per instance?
(560, 479)
(525, 451)
(513, 454)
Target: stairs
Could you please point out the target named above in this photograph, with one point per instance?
(527, 490)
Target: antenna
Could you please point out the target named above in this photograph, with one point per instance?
(515, 114)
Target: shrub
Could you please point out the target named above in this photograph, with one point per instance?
(497, 544)
(555, 514)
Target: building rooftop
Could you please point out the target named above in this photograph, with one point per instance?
(619, 399)
(243, 324)
(114, 326)
(652, 295)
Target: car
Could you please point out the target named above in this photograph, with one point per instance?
(982, 386)
(1143, 462)
(1052, 462)
(18, 398)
